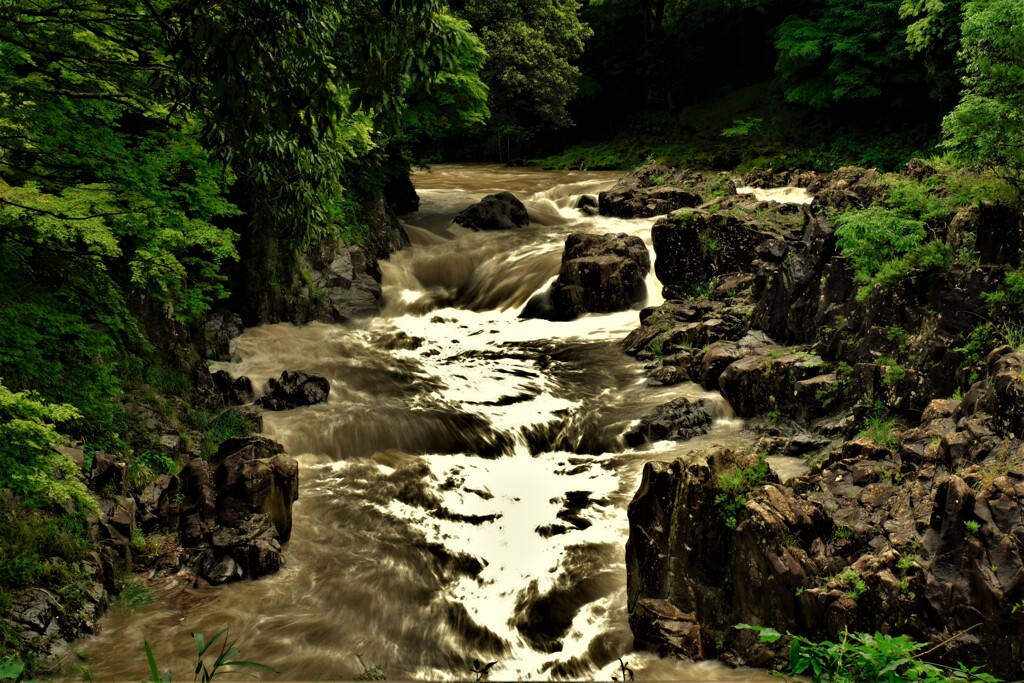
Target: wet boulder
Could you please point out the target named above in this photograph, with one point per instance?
(678, 420)
(253, 475)
(234, 391)
(587, 203)
(248, 551)
(645, 202)
(764, 379)
(599, 274)
(294, 389)
(501, 211)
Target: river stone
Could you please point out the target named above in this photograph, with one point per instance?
(502, 211)
(253, 475)
(234, 391)
(648, 191)
(294, 389)
(678, 420)
(599, 274)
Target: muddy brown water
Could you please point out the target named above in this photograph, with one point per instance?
(463, 491)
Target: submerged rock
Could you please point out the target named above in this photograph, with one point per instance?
(293, 390)
(678, 420)
(502, 211)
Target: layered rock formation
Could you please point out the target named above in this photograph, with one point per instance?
(908, 517)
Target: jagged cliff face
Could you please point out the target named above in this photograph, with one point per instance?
(922, 535)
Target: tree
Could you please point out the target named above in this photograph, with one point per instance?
(933, 36)
(531, 45)
(848, 51)
(986, 129)
(96, 168)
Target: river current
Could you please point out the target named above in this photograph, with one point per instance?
(463, 491)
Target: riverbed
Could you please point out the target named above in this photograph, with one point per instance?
(463, 491)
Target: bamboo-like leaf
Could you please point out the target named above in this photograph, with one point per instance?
(154, 673)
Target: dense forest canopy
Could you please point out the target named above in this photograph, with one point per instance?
(146, 146)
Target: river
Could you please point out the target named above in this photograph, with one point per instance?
(463, 491)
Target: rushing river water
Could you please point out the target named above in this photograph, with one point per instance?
(463, 491)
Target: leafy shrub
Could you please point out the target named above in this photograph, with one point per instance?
(218, 427)
(30, 464)
(144, 468)
(850, 579)
(733, 485)
(869, 238)
(866, 658)
(978, 344)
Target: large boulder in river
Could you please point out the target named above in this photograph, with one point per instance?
(599, 274)
(294, 389)
(254, 476)
(502, 211)
(233, 513)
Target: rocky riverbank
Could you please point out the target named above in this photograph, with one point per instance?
(896, 399)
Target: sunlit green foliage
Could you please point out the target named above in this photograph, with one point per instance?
(867, 658)
(30, 464)
(987, 127)
(871, 237)
(531, 47)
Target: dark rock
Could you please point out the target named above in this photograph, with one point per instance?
(294, 389)
(587, 204)
(148, 503)
(917, 169)
(678, 420)
(502, 211)
(189, 503)
(235, 391)
(599, 274)
(787, 286)
(692, 245)
(107, 472)
(994, 232)
(344, 285)
(659, 625)
(36, 609)
(400, 194)
(246, 552)
(647, 191)
(218, 331)
(764, 382)
(252, 475)
(847, 187)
